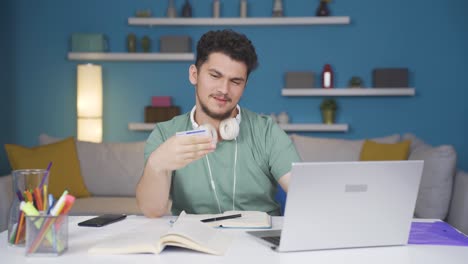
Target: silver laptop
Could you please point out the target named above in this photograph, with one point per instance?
(334, 205)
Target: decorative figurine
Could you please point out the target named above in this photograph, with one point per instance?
(322, 9)
(187, 9)
(146, 44)
(171, 10)
(278, 8)
(216, 8)
(131, 42)
(243, 8)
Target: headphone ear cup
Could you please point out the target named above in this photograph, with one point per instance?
(229, 129)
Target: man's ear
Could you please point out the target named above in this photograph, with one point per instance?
(193, 74)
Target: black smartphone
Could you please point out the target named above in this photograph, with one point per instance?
(103, 220)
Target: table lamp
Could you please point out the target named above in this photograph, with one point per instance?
(89, 102)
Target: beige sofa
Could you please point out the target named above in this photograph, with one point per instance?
(443, 191)
(112, 170)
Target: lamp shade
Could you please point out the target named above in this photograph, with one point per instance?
(89, 102)
(89, 81)
(90, 129)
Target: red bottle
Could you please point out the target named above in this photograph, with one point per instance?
(327, 76)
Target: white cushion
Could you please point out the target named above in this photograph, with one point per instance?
(330, 149)
(108, 169)
(435, 189)
(458, 215)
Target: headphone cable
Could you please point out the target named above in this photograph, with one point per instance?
(235, 178)
(213, 184)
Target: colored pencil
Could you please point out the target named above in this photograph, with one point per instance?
(46, 174)
(38, 199)
(19, 227)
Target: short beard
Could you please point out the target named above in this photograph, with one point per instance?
(216, 116)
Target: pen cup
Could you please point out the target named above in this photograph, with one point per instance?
(46, 235)
(24, 183)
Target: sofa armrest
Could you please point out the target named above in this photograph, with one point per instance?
(6, 197)
(458, 214)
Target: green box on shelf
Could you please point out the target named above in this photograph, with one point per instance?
(89, 42)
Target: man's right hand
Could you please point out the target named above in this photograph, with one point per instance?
(177, 152)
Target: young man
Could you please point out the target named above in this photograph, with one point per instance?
(241, 170)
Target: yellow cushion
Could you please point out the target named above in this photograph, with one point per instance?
(65, 173)
(372, 150)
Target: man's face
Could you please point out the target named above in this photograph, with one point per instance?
(219, 82)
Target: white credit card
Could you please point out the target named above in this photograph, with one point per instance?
(196, 132)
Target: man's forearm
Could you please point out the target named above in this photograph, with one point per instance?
(153, 191)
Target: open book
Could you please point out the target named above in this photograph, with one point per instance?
(153, 238)
(248, 219)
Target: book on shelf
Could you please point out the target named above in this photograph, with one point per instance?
(152, 237)
(245, 219)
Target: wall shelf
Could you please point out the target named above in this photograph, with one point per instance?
(348, 92)
(314, 127)
(253, 21)
(285, 127)
(126, 56)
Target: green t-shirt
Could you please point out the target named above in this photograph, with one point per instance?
(264, 154)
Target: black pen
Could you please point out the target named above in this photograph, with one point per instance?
(220, 218)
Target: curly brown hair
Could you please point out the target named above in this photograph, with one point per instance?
(235, 45)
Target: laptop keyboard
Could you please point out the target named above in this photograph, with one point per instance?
(272, 239)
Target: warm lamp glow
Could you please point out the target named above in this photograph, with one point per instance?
(90, 129)
(89, 102)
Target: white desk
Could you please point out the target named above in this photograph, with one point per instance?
(245, 249)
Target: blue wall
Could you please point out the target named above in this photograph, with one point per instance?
(428, 37)
(7, 123)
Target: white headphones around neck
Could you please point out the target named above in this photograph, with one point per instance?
(228, 130)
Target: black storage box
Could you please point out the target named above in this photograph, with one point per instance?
(390, 78)
(154, 114)
(299, 79)
(175, 44)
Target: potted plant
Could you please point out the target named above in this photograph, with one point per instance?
(355, 82)
(328, 108)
